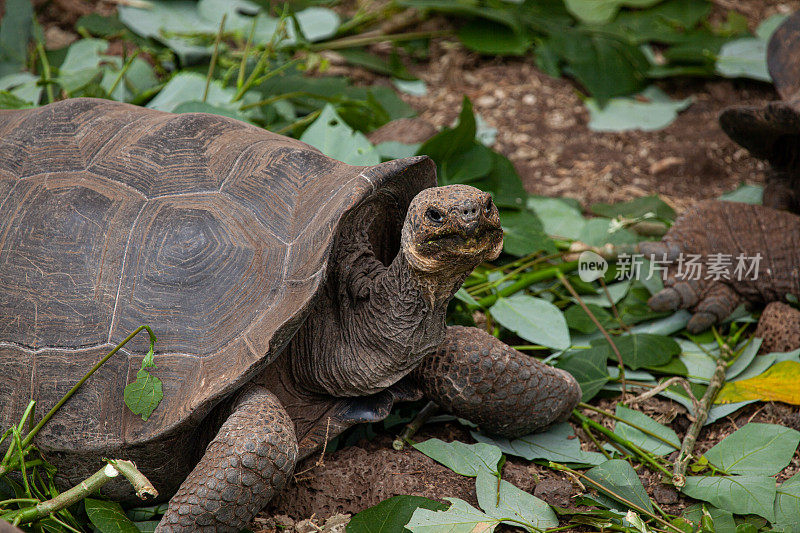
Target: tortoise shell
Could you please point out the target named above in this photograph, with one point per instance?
(214, 232)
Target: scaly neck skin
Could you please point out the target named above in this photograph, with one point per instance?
(372, 327)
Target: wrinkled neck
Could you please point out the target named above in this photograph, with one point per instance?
(371, 327)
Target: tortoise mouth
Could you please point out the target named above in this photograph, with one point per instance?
(457, 243)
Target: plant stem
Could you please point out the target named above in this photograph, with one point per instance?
(588, 431)
(618, 419)
(624, 442)
(214, 55)
(358, 40)
(642, 510)
(412, 427)
(65, 499)
(700, 417)
(565, 282)
(525, 281)
(243, 64)
(311, 117)
(144, 489)
(46, 73)
(122, 72)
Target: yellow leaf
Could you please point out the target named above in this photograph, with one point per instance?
(781, 383)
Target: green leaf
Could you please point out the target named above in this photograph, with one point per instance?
(143, 395)
(390, 516)
(650, 110)
(589, 368)
(523, 234)
(450, 141)
(108, 517)
(534, 319)
(334, 138)
(466, 166)
(559, 444)
(16, 31)
(318, 23)
(464, 459)
(412, 87)
(578, 320)
(723, 520)
(189, 87)
(460, 517)
(504, 183)
(559, 217)
(492, 38)
(787, 505)
(744, 58)
(10, 101)
(755, 449)
(617, 291)
(513, 503)
(737, 494)
(641, 349)
(606, 65)
(100, 26)
(602, 11)
(644, 440)
(747, 194)
(619, 477)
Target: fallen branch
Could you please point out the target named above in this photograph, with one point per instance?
(412, 427)
(700, 417)
(79, 492)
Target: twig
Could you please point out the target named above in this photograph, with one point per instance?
(613, 305)
(358, 40)
(412, 427)
(68, 497)
(525, 281)
(700, 417)
(144, 489)
(665, 385)
(564, 281)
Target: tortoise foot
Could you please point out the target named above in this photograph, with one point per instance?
(507, 393)
(249, 460)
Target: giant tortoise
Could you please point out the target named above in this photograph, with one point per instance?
(293, 296)
(727, 230)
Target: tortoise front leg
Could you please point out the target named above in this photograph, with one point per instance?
(507, 393)
(249, 460)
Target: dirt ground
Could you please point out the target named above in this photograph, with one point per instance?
(542, 128)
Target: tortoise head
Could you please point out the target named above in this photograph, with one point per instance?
(452, 229)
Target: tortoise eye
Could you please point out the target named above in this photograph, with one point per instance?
(434, 215)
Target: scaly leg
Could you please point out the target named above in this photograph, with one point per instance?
(507, 393)
(249, 460)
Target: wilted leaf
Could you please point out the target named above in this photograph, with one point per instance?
(756, 449)
(737, 494)
(464, 459)
(588, 367)
(390, 516)
(651, 110)
(559, 444)
(534, 319)
(512, 503)
(108, 517)
(778, 384)
(619, 477)
(642, 439)
(334, 138)
(461, 517)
